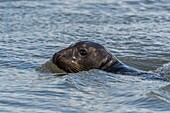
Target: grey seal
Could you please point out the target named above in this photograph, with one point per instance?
(87, 55)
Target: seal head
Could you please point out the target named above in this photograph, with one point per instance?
(83, 56)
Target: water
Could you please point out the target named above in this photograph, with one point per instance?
(136, 31)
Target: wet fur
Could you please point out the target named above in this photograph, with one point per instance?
(98, 57)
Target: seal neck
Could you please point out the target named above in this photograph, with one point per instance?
(118, 67)
(109, 66)
(107, 63)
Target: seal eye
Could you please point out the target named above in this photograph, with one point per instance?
(83, 52)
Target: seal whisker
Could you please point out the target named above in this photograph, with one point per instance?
(77, 68)
(72, 68)
(82, 68)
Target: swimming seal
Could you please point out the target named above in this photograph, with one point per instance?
(86, 55)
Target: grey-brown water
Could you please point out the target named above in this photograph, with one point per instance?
(136, 31)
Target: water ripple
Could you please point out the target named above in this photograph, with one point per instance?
(135, 31)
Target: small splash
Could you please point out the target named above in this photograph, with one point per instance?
(164, 70)
(49, 67)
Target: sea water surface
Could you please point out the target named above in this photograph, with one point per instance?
(136, 31)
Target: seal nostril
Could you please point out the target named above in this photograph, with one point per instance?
(55, 57)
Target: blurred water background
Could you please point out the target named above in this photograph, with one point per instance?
(136, 31)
